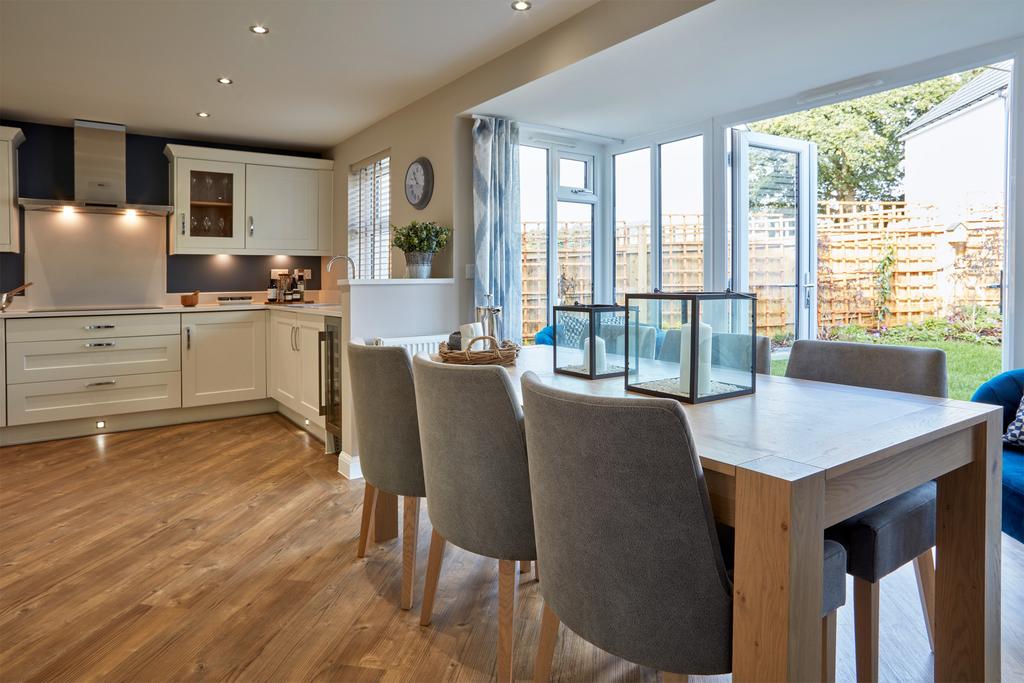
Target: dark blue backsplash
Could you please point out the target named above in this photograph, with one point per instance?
(46, 170)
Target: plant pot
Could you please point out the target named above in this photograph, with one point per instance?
(417, 264)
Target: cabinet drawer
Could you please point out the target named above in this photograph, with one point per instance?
(92, 327)
(74, 398)
(46, 361)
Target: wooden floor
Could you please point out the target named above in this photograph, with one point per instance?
(226, 550)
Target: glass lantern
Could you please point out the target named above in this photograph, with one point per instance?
(694, 347)
(590, 340)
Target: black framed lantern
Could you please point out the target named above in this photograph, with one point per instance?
(705, 345)
(590, 340)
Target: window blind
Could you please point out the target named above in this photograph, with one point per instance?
(369, 218)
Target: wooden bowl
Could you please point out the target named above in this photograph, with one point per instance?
(190, 299)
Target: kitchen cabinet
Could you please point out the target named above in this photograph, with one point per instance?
(3, 379)
(224, 357)
(10, 231)
(231, 202)
(296, 370)
(209, 203)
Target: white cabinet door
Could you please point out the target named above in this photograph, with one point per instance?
(310, 388)
(224, 357)
(8, 212)
(209, 198)
(284, 360)
(281, 208)
(3, 379)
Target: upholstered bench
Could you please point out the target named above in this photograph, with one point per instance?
(1006, 390)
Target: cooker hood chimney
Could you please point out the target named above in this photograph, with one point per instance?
(99, 174)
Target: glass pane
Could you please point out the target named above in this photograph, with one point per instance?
(726, 351)
(772, 234)
(633, 223)
(655, 339)
(533, 213)
(572, 173)
(575, 252)
(210, 196)
(682, 215)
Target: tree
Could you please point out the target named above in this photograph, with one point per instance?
(859, 154)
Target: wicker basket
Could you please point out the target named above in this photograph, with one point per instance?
(499, 354)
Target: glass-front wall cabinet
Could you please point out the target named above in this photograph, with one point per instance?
(211, 204)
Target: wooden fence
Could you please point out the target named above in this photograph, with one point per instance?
(934, 266)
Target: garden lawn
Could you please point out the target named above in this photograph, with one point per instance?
(968, 365)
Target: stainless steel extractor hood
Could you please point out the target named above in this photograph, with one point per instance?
(99, 175)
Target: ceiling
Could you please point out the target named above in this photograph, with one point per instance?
(730, 55)
(326, 70)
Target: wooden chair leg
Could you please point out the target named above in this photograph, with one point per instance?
(924, 568)
(669, 677)
(369, 503)
(506, 618)
(437, 544)
(828, 647)
(410, 534)
(546, 646)
(865, 619)
(525, 567)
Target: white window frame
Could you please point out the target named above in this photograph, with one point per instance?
(372, 222)
(594, 154)
(717, 175)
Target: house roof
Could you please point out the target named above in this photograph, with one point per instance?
(990, 81)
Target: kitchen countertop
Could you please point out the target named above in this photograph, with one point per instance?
(328, 310)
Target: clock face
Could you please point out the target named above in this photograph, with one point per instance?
(419, 182)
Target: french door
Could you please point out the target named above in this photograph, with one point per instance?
(774, 254)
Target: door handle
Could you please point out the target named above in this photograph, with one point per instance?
(252, 226)
(321, 338)
(100, 326)
(104, 383)
(298, 339)
(96, 345)
(183, 223)
(188, 338)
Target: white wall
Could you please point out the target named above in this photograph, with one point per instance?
(960, 160)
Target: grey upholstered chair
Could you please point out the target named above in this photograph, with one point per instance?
(724, 346)
(384, 403)
(478, 485)
(633, 560)
(883, 539)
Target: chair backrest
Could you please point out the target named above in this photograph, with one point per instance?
(626, 541)
(909, 369)
(734, 348)
(474, 458)
(1006, 390)
(384, 406)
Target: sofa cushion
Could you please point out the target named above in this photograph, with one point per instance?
(1014, 435)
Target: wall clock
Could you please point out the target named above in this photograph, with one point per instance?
(419, 182)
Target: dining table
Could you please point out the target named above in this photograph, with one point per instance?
(795, 457)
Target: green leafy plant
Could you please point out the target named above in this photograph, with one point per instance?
(425, 237)
(884, 270)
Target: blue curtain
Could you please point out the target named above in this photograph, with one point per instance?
(497, 230)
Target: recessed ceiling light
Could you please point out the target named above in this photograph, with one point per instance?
(202, 114)
(261, 30)
(224, 80)
(521, 5)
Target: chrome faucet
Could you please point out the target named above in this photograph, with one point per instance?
(350, 262)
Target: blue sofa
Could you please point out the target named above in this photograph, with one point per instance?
(1006, 390)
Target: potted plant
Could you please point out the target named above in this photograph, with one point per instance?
(420, 241)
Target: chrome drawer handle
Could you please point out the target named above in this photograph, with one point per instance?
(96, 345)
(104, 383)
(101, 326)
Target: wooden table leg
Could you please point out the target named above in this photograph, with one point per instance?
(385, 519)
(967, 562)
(780, 513)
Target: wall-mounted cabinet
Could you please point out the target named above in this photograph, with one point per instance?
(10, 138)
(229, 202)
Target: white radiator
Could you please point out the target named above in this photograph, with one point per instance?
(423, 344)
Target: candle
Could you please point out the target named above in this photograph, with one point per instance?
(703, 360)
(469, 331)
(600, 356)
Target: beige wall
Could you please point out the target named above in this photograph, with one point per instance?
(435, 127)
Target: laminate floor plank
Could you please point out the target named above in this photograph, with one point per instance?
(225, 551)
